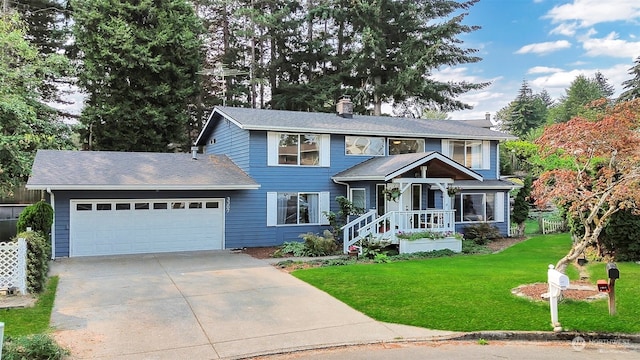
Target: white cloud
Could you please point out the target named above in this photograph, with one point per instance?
(591, 12)
(544, 47)
(566, 29)
(611, 46)
(556, 83)
(543, 70)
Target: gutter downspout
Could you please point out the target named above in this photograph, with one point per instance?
(345, 184)
(52, 199)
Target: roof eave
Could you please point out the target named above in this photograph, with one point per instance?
(142, 187)
(255, 127)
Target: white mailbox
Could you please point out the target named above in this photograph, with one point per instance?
(558, 279)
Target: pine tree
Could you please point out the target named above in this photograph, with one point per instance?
(525, 113)
(521, 206)
(140, 65)
(632, 86)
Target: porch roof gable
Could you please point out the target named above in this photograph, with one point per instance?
(389, 167)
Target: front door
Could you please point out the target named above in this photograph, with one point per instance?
(410, 199)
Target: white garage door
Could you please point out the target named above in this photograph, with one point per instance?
(110, 227)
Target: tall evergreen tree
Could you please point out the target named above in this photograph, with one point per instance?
(632, 86)
(26, 122)
(525, 113)
(581, 92)
(140, 65)
(401, 42)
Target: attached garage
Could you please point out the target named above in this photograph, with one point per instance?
(115, 227)
(116, 203)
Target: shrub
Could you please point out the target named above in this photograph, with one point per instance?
(622, 236)
(38, 255)
(371, 248)
(36, 347)
(38, 217)
(481, 233)
(294, 247)
(316, 245)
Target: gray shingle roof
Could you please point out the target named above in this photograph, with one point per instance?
(280, 120)
(384, 168)
(106, 170)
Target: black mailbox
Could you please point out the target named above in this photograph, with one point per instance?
(612, 271)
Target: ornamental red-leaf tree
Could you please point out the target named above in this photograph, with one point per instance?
(604, 172)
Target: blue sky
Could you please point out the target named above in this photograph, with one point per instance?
(548, 43)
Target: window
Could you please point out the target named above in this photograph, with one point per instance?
(159, 206)
(473, 154)
(212, 205)
(103, 206)
(358, 198)
(298, 149)
(84, 207)
(363, 145)
(123, 206)
(142, 206)
(405, 146)
(295, 208)
(195, 205)
(478, 207)
(177, 205)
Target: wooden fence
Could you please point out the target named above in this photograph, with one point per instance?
(553, 226)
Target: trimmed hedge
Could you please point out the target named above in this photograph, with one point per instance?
(38, 255)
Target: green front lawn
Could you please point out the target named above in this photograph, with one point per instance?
(33, 320)
(472, 293)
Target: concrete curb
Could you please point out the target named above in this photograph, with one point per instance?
(547, 336)
(531, 336)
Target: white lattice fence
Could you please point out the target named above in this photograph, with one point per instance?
(13, 265)
(553, 226)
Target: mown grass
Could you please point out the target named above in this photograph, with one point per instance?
(472, 293)
(33, 320)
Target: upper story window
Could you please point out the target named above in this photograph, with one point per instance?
(474, 154)
(298, 149)
(405, 146)
(364, 145)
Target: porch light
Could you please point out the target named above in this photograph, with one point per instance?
(396, 142)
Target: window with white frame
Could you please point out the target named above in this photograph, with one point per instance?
(479, 207)
(358, 198)
(289, 149)
(364, 145)
(296, 208)
(474, 154)
(405, 146)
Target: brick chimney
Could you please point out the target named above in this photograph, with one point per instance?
(344, 107)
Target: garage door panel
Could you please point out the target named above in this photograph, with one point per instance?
(145, 226)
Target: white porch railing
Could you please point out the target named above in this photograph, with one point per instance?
(13, 265)
(387, 226)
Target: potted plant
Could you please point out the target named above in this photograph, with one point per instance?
(392, 194)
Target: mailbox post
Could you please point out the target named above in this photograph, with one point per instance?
(557, 282)
(612, 273)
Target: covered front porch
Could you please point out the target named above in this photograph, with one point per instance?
(409, 193)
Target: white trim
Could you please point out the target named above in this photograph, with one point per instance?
(498, 208)
(272, 208)
(498, 161)
(324, 204)
(445, 148)
(52, 199)
(325, 150)
(486, 155)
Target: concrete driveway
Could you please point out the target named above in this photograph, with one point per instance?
(204, 305)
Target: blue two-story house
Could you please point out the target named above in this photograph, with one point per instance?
(267, 176)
